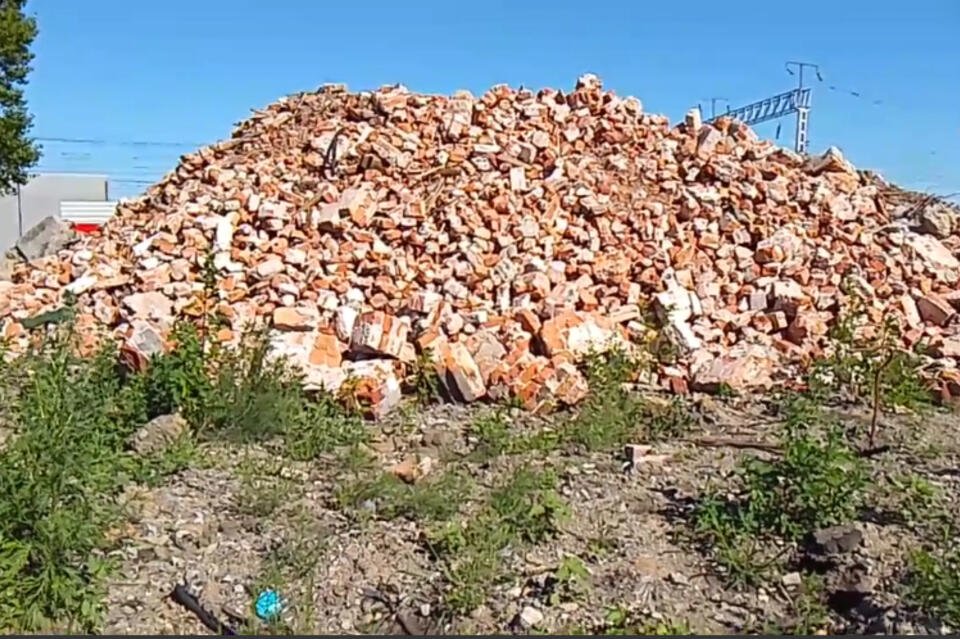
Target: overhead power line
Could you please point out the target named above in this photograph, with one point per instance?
(105, 142)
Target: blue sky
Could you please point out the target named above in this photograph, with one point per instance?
(184, 71)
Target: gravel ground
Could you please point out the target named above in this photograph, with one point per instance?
(243, 519)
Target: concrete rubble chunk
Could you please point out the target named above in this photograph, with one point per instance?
(154, 305)
(676, 306)
(345, 318)
(376, 385)
(575, 334)
(935, 310)
(158, 434)
(516, 231)
(741, 369)
(313, 355)
(144, 343)
(487, 351)
(935, 255)
(939, 221)
(49, 236)
(832, 160)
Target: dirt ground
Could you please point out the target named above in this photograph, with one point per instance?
(240, 520)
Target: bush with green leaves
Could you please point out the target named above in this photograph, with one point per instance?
(243, 394)
(817, 480)
(67, 458)
(57, 477)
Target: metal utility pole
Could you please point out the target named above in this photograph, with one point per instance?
(803, 112)
(779, 106)
(713, 105)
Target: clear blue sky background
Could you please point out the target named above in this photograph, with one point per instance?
(185, 70)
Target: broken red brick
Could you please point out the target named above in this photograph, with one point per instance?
(377, 333)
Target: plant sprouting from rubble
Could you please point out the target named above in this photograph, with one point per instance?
(244, 394)
(869, 365)
(389, 497)
(179, 380)
(614, 414)
(493, 434)
(808, 613)
(425, 380)
(208, 318)
(568, 580)
(610, 415)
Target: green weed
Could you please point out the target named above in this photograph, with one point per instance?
(181, 454)
(610, 416)
(244, 395)
(874, 369)
(933, 581)
(424, 380)
(621, 620)
(322, 426)
(569, 580)
(494, 438)
(431, 499)
(817, 481)
(921, 503)
(808, 613)
(524, 510)
(291, 570)
(58, 476)
(263, 488)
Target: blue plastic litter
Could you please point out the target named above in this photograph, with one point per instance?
(269, 605)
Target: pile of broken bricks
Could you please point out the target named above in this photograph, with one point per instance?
(504, 237)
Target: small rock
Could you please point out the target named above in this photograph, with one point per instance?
(158, 433)
(838, 539)
(439, 437)
(411, 469)
(792, 579)
(635, 452)
(530, 617)
(679, 578)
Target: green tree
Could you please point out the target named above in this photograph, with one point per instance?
(17, 151)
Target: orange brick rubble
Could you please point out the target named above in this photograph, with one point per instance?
(507, 236)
